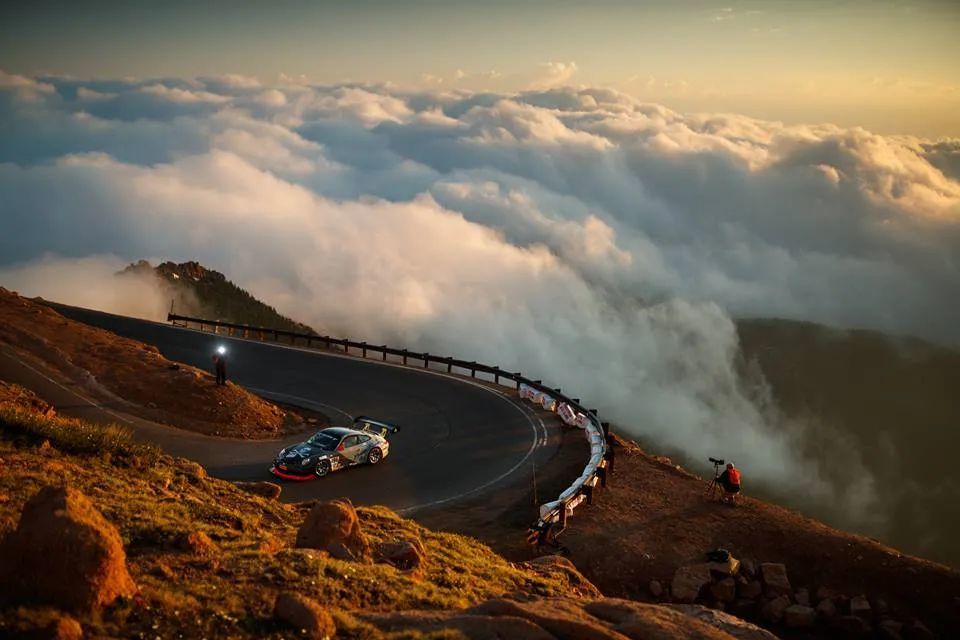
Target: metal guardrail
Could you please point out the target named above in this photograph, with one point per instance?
(569, 409)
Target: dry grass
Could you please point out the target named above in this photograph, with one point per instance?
(227, 588)
(118, 369)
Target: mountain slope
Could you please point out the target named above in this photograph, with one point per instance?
(200, 292)
(895, 399)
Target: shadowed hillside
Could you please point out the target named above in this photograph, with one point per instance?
(895, 399)
(196, 290)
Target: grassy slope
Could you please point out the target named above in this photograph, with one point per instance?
(111, 367)
(896, 398)
(156, 500)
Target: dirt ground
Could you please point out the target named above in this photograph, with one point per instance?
(136, 376)
(654, 517)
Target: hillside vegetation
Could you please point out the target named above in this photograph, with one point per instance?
(895, 400)
(206, 559)
(200, 292)
(134, 375)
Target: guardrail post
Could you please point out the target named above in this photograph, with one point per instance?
(593, 411)
(558, 390)
(473, 369)
(516, 378)
(404, 356)
(363, 346)
(496, 375)
(449, 365)
(327, 340)
(309, 342)
(426, 360)
(384, 352)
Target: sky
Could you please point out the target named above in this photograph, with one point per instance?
(888, 66)
(590, 193)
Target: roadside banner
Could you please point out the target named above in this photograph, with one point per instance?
(548, 403)
(567, 414)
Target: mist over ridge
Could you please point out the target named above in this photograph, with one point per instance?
(577, 234)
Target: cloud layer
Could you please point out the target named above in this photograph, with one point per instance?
(578, 234)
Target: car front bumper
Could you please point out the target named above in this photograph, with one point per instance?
(288, 474)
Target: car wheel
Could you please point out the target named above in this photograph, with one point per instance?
(374, 456)
(323, 468)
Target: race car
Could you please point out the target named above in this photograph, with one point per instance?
(364, 442)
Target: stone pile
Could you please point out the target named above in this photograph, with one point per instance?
(763, 592)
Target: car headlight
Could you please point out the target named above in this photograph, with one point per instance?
(305, 461)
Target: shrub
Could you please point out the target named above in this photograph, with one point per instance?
(75, 436)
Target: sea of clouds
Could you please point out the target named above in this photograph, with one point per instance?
(577, 234)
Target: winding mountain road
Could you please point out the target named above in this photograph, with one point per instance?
(458, 437)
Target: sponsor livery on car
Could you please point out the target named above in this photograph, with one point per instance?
(328, 450)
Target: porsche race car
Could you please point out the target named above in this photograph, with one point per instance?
(335, 448)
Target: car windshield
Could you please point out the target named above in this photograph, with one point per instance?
(324, 440)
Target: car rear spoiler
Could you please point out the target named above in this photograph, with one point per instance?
(370, 425)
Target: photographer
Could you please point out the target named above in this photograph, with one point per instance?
(730, 481)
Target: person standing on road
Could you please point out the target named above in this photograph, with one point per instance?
(220, 366)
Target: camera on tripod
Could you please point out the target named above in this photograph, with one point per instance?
(717, 461)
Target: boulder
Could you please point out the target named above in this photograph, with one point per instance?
(725, 590)
(827, 609)
(860, 607)
(825, 593)
(798, 616)
(65, 554)
(475, 627)
(304, 615)
(802, 596)
(655, 588)
(916, 630)
(196, 543)
(851, 625)
(268, 490)
(774, 610)
(751, 589)
(731, 625)
(564, 619)
(890, 630)
(748, 567)
(743, 608)
(405, 555)
(729, 567)
(334, 527)
(775, 580)
(688, 580)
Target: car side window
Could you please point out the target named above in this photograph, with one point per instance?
(350, 441)
(364, 439)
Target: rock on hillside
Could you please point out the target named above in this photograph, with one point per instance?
(63, 553)
(573, 619)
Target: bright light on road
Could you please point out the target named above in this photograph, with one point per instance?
(221, 349)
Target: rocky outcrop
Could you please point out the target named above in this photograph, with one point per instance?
(573, 619)
(799, 616)
(689, 580)
(406, 555)
(740, 629)
(304, 615)
(334, 527)
(775, 580)
(63, 553)
(558, 567)
(475, 627)
(268, 490)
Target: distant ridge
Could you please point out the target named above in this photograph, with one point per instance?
(196, 290)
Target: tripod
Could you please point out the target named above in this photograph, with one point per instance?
(714, 490)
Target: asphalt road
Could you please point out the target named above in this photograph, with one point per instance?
(457, 439)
